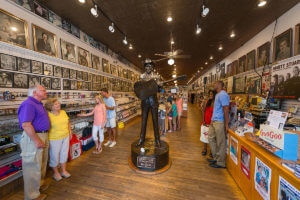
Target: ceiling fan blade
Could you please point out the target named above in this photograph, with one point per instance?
(159, 60)
(178, 51)
(182, 56)
(158, 54)
(169, 53)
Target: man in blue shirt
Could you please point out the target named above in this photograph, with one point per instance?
(110, 105)
(219, 127)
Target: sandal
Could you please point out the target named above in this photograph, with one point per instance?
(57, 178)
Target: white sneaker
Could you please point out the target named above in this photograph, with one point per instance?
(113, 144)
(107, 143)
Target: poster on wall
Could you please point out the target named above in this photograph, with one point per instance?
(242, 64)
(13, 30)
(262, 179)
(253, 85)
(239, 85)
(234, 150)
(245, 161)
(286, 191)
(263, 54)
(282, 46)
(285, 80)
(44, 41)
(250, 60)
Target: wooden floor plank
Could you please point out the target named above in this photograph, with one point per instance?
(108, 176)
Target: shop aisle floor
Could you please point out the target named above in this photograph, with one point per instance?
(108, 176)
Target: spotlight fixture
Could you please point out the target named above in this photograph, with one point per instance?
(13, 28)
(169, 19)
(94, 11)
(211, 57)
(206, 63)
(262, 3)
(198, 29)
(125, 41)
(130, 47)
(174, 76)
(198, 71)
(139, 55)
(220, 48)
(205, 10)
(232, 35)
(172, 41)
(111, 28)
(81, 1)
(171, 61)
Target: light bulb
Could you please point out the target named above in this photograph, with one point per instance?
(174, 75)
(211, 57)
(125, 41)
(130, 47)
(141, 56)
(171, 61)
(232, 35)
(205, 11)
(111, 28)
(220, 48)
(81, 1)
(262, 3)
(94, 11)
(198, 29)
(206, 63)
(169, 19)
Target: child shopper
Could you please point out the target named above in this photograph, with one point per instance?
(99, 113)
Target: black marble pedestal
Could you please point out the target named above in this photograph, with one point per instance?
(153, 159)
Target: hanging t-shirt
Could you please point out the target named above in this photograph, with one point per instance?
(59, 126)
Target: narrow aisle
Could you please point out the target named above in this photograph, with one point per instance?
(108, 176)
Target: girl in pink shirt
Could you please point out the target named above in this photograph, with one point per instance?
(179, 104)
(99, 113)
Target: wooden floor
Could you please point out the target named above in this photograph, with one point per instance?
(108, 176)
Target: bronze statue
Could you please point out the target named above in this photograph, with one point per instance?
(146, 90)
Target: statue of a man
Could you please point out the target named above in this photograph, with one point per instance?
(146, 90)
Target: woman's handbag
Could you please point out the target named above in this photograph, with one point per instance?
(204, 134)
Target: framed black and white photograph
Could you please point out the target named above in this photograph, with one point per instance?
(8, 62)
(263, 54)
(46, 82)
(90, 77)
(6, 79)
(36, 67)
(96, 62)
(72, 74)
(44, 41)
(13, 30)
(282, 46)
(85, 76)
(73, 85)
(24, 65)
(67, 51)
(79, 85)
(65, 72)
(84, 57)
(48, 69)
(79, 75)
(55, 84)
(251, 60)
(20, 80)
(40, 10)
(34, 80)
(105, 66)
(85, 86)
(57, 71)
(66, 84)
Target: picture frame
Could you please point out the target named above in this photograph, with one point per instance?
(20, 80)
(8, 62)
(40, 10)
(84, 57)
(46, 82)
(36, 67)
(75, 31)
(263, 54)
(98, 79)
(96, 62)
(297, 40)
(24, 65)
(73, 74)
(25, 4)
(66, 25)
(79, 85)
(48, 69)
(65, 72)
(16, 31)
(66, 84)
(79, 75)
(6, 79)
(114, 70)
(55, 19)
(44, 41)
(105, 66)
(90, 77)
(282, 45)
(253, 85)
(239, 85)
(68, 51)
(57, 71)
(242, 64)
(85, 76)
(73, 85)
(229, 71)
(250, 60)
(34, 80)
(55, 84)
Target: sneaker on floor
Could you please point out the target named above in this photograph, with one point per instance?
(107, 143)
(41, 197)
(113, 144)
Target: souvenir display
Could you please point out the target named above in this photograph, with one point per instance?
(73, 85)
(79, 75)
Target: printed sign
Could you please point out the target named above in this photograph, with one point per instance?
(245, 161)
(277, 119)
(234, 150)
(287, 191)
(272, 136)
(146, 162)
(262, 179)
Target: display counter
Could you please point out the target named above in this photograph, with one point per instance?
(253, 182)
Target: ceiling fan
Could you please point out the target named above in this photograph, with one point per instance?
(171, 55)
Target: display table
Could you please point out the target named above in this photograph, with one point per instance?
(247, 183)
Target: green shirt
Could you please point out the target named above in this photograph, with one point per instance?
(174, 108)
